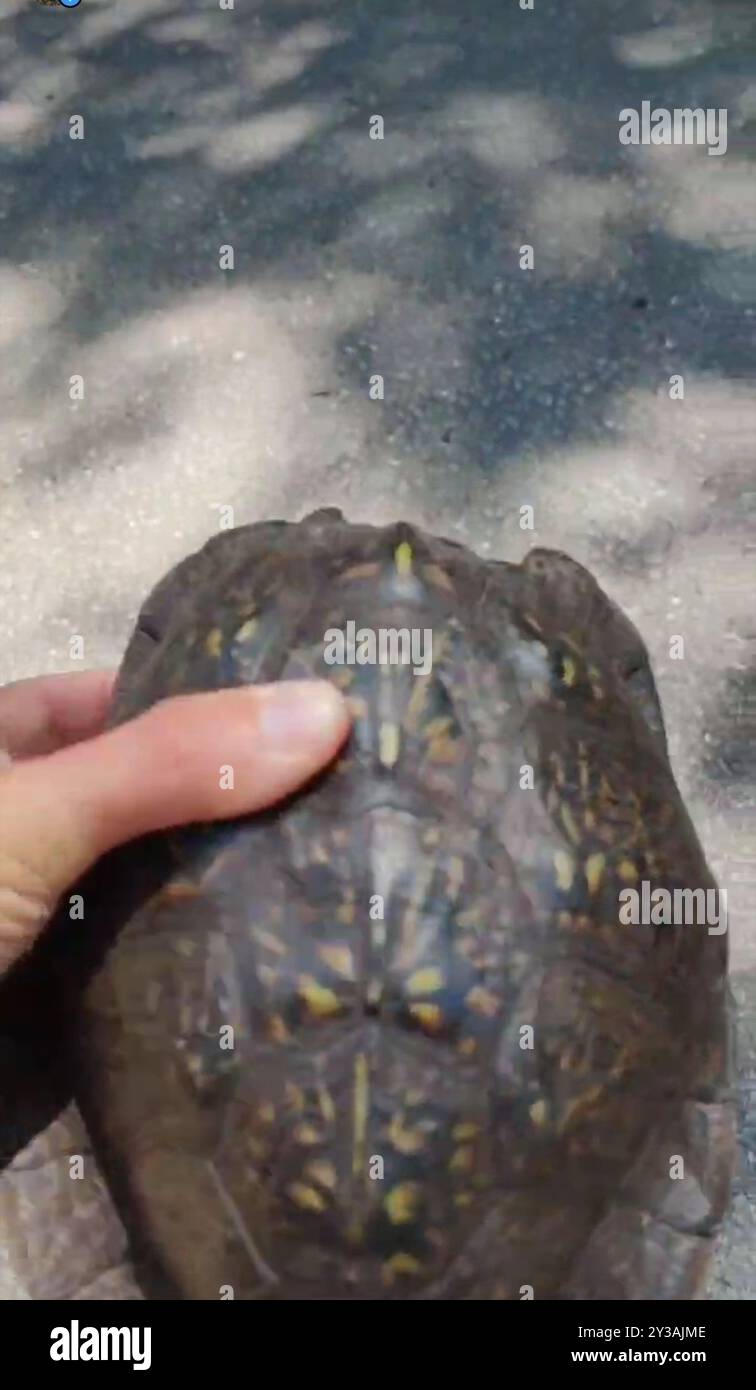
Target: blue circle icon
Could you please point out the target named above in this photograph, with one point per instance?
(70, 4)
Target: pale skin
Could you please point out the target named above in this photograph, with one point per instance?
(69, 791)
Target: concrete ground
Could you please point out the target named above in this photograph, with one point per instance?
(207, 127)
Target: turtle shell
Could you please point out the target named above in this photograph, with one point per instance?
(393, 1038)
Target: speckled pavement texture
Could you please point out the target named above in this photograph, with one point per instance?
(249, 387)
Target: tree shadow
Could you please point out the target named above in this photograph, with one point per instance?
(494, 137)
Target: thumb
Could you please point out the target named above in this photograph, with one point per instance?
(169, 766)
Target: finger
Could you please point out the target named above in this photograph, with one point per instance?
(193, 758)
(47, 712)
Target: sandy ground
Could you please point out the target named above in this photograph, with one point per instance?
(248, 387)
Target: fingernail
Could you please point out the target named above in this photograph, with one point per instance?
(299, 715)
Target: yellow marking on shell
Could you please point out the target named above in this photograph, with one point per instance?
(438, 576)
(368, 570)
(471, 917)
(401, 1203)
(581, 1105)
(307, 1134)
(558, 766)
(321, 1002)
(403, 1138)
(194, 1065)
(569, 670)
(268, 940)
(345, 914)
(564, 868)
(214, 642)
(339, 959)
(425, 981)
(482, 1001)
(627, 871)
(570, 1060)
(440, 645)
(403, 558)
(360, 1110)
(399, 1264)
(217, 867)
(429, 1015)
(180, 888)
(246, 630)
(463, 1199)
(327, 1107)
(389, 743)
(465, 1131)
(456, 874)
(462, 1160)
(436, 728)
(468, 1047)
(444, 750)
(322, 1171)
(595, 679)
(594, 868)
(295, 1096)
(306, 1197)
(357, 706)
(539, 1113)
(266, 1113)
(570, 824)
(606, 789)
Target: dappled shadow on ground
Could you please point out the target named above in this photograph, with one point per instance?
(205, 127)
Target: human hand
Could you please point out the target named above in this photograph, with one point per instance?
(69, 792)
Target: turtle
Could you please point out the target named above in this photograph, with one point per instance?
(408, 1035)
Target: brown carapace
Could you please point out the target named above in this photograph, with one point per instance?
(392, 1039)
